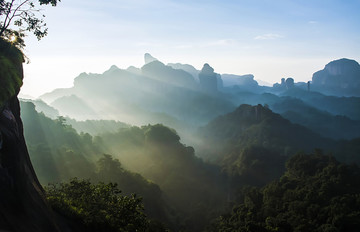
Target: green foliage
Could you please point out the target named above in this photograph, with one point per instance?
(253, 165)
(98, 207)
(57, 151)
(194, 188)
(96, 127)
(161, 134)
(24, 15)
(316, 193)
(11, 73)
(110, 169)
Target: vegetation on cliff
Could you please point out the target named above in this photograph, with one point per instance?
(11, 73)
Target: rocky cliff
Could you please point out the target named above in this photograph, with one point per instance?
(339, 77)
(22, 202)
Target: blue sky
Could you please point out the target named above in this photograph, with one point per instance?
(270, 39)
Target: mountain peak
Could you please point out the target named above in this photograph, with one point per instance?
(339, 77)
(207, 69)
(342, 66)
(149, 58)
(113, 67)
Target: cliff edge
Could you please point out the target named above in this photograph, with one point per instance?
(22, 201)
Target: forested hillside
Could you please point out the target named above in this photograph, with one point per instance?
(248, 147)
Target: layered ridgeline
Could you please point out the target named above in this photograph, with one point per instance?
(252, 143)
(180, 96)
(155, 93)
(239, 144)
(59, 154)
(177, 188)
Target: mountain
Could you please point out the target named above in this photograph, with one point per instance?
(343, 106)
(320, 121)
(208, 80)
(41, 106)
(187, 68)
(161, 72)
(56, 93)
(258, 125)
(149, 58)
(95, 127)
(339, 77)
(160, 94)
(74, 107)
(245, 81)
(59, 153)
(195, 188)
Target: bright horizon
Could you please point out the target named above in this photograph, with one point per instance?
(269, 39)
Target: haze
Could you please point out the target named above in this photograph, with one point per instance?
(156, 116)
(269, 39)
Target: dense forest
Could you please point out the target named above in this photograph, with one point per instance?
(242, 152)
(170, 147)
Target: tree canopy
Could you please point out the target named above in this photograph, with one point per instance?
(99, 207)
(19, 16)
(316, 193)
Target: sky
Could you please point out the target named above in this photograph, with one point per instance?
(271, 39)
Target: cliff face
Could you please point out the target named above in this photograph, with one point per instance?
(208, 79)
(339, 77)
(22, 203)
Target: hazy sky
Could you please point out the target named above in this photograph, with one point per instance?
(268, 38)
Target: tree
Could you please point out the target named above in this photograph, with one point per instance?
(25, 15)
(316, 193)
(99, 207)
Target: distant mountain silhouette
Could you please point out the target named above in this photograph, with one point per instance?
(74, 107)
(208, 79)
(161, 72)
(134, 70)
(41, 106)
(320, 121)
(149, 58)
(170, 94)
(240, 80)
(160, 94)
(187, 68)
(339, 77)
(346, 106)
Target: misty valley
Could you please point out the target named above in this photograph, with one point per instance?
(194, 150)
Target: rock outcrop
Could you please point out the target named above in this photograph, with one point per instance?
(149, 58)
(22, 202)
(285, 84)
(339, 77)
(208, 79)
(246, 81)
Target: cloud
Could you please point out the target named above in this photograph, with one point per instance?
(268, 36)
(313, 22)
